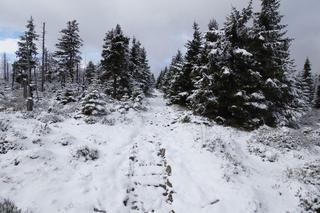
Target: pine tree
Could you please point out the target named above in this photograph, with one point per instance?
(192, 63)
(89, 73)
(317, 95)
(240, 98)
(68, 51)
(139, 68)
(26, 53)
(307, 82)
(115, 63)
(175, 88)
(26, 61)
(204, 99)
(146, 77)
(271, 52)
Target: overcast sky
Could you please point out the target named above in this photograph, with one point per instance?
(163, 26)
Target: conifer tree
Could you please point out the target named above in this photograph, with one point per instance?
(139, 68)
(26, 53)
(26, 61)
(89, 73)
(115, 63)
(175, 88)
(317, 95)
(307, 82)
(192, 63)
(204, 99)
(68, 51)
(271, 52)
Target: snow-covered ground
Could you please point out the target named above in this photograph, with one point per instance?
(162, 159)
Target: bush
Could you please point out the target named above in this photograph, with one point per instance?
(93, 104)
(7, 206)
(66, 97)
(87, 154)
(186, 119)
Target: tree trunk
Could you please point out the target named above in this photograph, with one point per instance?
(29, 100)
(13, 77)
(43, 57)
(114, 87)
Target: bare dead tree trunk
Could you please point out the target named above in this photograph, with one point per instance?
(43, 58)
(36, 82)
(8, 66)
(4, 66)
(13, 77)
(29, 100)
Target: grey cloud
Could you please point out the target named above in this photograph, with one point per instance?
(162, 26)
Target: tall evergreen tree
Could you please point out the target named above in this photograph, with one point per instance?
(26, 53)
(115, 63)
(307, 81)
(271, 52)
(317, 95)
(139, 68)
(174, 87)
(192, 63)
(68, 51)
(89, 73)
(204, 99)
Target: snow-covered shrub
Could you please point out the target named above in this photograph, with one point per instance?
(67, 96)
(94, 104)
(87, 154)
(285, 139)
(308, 174)
(310, 205)
(50, 118)
(108, 121)
(6, 146)
(7, 206)
(4, 125)
(185, 119)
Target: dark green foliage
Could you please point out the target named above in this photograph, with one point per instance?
(67, 96)
(90, 73)
(239, 74)
(115, 63)
(317, 96)
(93, 104)
(271, 52)
(68, 51)
(307, 80)
(26, 53)
(7, 206)
(87, 154)
(139, 69)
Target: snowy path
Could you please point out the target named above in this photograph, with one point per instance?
(149, 161)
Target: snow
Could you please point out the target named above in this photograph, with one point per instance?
(242, 52)
(226, 70)
(148, 161)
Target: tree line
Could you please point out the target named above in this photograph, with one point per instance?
(241, 74)
(123, 71)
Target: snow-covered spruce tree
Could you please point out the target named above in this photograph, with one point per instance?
(139, 68)
(89, 73)
(270, 48)
(240, 99)
(93, 104)
(115, 64)
(204, 99)
(146, 79)
(192, 63)
(68, 51)
(307, 82)
(160, 79)
(26, 61)
(174, 88)
(317, 95)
